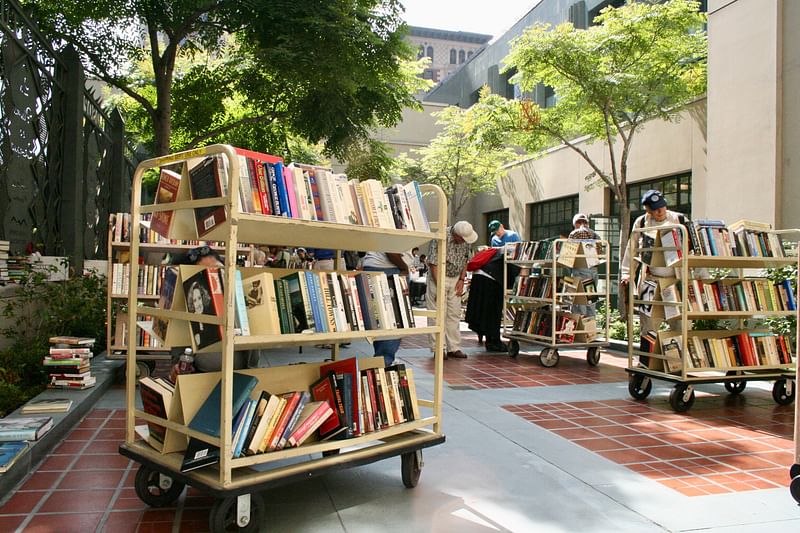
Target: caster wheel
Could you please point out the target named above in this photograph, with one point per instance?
(224, 517)
(411, 468)
(794, 471)
(513, 348)
(593, 356)
(783, 392)
(156, 489)
(143, 370)
(549, 357)
(681, 398)
(794, 488)
(735, 387)
(639, 386)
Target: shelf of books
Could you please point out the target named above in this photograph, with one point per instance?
(553, 300)
(287, 422)
(712, 300)
(153, 249)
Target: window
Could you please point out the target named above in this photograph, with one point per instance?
(469, 54)
(677, 191)
(421, 52)
(452, 56)
(549, 96)
(430, 52)
(596, 11)
(461, 56)
(552, 218)
(501, 215)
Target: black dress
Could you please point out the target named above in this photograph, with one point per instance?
(485, 301)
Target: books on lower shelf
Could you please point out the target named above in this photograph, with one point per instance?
(68, 363)
(24, 428)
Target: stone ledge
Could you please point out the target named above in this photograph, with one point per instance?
(105, 370)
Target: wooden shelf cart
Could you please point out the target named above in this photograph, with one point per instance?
(236, 481)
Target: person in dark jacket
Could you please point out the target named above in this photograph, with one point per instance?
(485, 301)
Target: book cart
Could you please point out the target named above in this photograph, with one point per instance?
(235, 482)
(688, 357)
(548, 294)
(150, 273)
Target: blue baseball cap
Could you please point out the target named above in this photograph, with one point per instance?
(653, 199)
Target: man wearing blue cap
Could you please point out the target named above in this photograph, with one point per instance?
(501, 235)
(656, 214)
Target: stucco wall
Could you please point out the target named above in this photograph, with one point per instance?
(789, 194)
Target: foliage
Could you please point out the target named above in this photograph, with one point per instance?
(39, 310)
(642, 61)
(783, 325)
(617, 328)
(324, 70)
(468, 156)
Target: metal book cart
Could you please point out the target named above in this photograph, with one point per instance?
(235, 482)
(554, 299)
(687, 366)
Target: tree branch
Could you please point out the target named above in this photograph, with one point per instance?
(270, 117)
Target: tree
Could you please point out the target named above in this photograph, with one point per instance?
(327, 70)
(467, 157)
(642, 61)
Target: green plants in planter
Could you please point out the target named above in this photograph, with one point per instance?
(38, 310)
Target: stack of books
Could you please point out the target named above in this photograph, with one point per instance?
(68, 363)
(4, 247)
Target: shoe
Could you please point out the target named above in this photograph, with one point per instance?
(496, 347)
(458, 354)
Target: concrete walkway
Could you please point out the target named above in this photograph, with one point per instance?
(529, 449)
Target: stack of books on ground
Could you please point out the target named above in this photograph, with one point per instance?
(345, 402)
(4, 247)
(16, 428)
(67, 363)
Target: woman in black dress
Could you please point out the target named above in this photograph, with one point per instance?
(485, 301)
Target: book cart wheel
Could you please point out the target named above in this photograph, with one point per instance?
(735, 387)
(639, 386)
(411, 468)
(681, 397)
(237, 513)
(513, 348)
(593, 355)
(783, 391)
(144, 369)
(794, 471)
(156, 489)
(549, 357)
(794, 488)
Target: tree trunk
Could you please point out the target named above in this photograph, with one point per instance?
(162, 123)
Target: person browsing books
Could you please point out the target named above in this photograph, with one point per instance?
(656, 215)
(501, 235)
(452, 274)
(197, 302)
(583, 232)
(389, 263)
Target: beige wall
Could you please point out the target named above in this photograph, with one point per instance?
(415, 130)
(659, 149)
(743, 108)
(789, 193)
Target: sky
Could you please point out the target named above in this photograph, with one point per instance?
(492, 17)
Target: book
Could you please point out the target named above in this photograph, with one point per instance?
(166, 193)
(47, 405)
(10, 453)
(314, 414)
(292, 400)
(156, 401)
(166, 296)
(203, 291)
(18, 428)
(242, 321)
(673, 352)
(261, 304)
(325, 390)
(71, 341)
(199, 454)
(207, 417)
(305, 397)
(568, 253)
(206, 181)
(348, 367)
(671, 239)
(249, 411)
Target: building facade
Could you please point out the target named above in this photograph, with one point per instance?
(447, 50)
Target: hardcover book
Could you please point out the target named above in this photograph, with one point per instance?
(32, 428)
(207, 417)
(10, 452)
(166, 193)
(47, 405)
(324, 390)
(262, 304)
(203, 292)
(314, 414)
(199, 454)
(206, 181)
